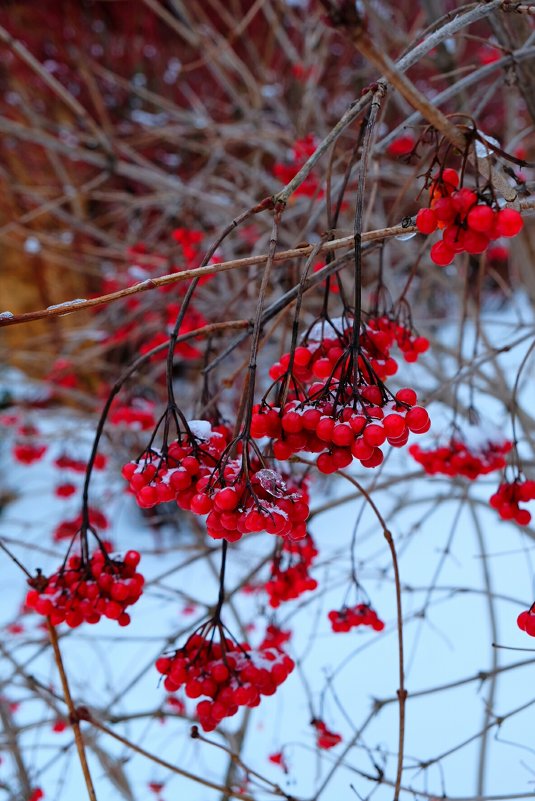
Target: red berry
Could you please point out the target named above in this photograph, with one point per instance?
(426, 221)
(481, 218)
(508, 223)
(442, 254)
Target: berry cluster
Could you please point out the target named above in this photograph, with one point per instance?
(139, 416)
(275, 637)
(506, 500)
(467, 224)
(326, 357)
(229, 674)
(66, 462)
(172, 474)
(458, 458)
(382, 333)
(356, 429)
(338, 406)
(290, 575)
(348, 618)
(526, 621)
(26, 449)
(325, 738)
(67, 529)
(238, 494)
(80, 592)
(241, 503)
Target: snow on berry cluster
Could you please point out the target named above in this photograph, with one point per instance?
(290, 575)
(325, 738)
(80, 592)
(172, 474)
(469, 223)
(356, 429)
(462, 458)
(239, 495)
(241, 502)
(508, 497)
(231, 675)
(348, 618)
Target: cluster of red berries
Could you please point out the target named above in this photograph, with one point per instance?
(318, 360)
(239, 504)
(193, 320)
(66, 462)
(325, 738)
(26, 449)
(159, 477)
(67, 529)
(237, 501)
(458, 459)
(290, 575)
(27, 453)
(508, 497)
(275, 637)
(382, 333)
(139, 415)
(349, 617)
(79, 592)
(229, 674)
(468, 225)
(526, 621)
(355, 430)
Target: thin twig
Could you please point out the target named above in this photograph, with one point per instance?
(73, 714)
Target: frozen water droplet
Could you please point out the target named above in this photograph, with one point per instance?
(272, 483)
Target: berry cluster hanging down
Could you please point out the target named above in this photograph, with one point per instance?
(469, 222)
(80, 592)
(461, 458)
(350, 617)
(508, 497)
(231, 675)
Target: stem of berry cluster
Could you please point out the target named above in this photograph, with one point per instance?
(221, 596)
(401, 692)
(73, 715)
(257, 328)
(295, 324)
(359, 209)
(193, 285)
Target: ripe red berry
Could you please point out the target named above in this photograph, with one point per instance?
(442, 254)
(481, 218)
(508, 223)
(406, 395)
(426, 221)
